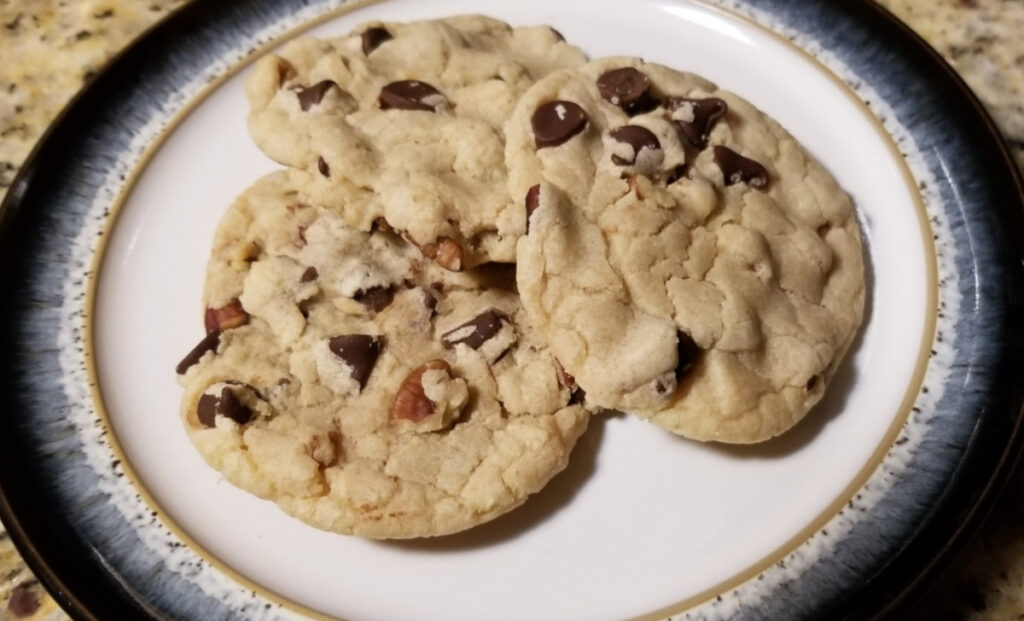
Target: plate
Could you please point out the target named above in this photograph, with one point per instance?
(104, 239)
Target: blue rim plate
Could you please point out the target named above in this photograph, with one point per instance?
(76, 513)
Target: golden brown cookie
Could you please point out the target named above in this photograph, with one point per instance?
(364, 389)
(403, 123)
(686, 259)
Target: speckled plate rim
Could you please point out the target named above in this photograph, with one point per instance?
(942, 454)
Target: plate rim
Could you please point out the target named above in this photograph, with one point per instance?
(62, 129)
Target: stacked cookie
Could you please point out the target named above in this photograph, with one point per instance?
(480, 239)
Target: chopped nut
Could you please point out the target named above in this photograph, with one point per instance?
(285, 71)
(634, 185)
(446, 252)
(231, 315)
(564, 378)
(245, 253)
(430, 397)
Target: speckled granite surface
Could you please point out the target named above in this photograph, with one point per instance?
(50, 47)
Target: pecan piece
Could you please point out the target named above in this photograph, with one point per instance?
(430, 397)
(231, 315)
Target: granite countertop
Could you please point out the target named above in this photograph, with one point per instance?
(50, 47)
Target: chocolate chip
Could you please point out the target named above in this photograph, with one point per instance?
(312, 95)
(410, 95)
(429, 301)
(556, 122)
(359, 351)
(309, 275)
(476, 331)
(739, 169)
(638, 138)
(688, 353)
(377, 298)
(209, 343)
(532, 202)
(706, 113)
(627, 88)
(373, 37)
(225, 404)
(578, 396)
(677, 173)
(321, 165)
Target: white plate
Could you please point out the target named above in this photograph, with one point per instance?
(642, 521)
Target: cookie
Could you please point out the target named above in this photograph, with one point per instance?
(403, 123)
(686, 259)
(362, 388)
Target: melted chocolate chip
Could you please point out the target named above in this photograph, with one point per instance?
(556, 122)
(429, 301)
(532, 202)
(578, 396)
(476, 331)
(359, 351)
(321, 165)
(636, 137)
(225, 404)
(410, 95)
(688, 352)
(627, 88)
(309, 275)
(739, 169)
(706, 113)
(377, 298)
(677, 173)
(209, 343)
(312, 95)
(373, 37)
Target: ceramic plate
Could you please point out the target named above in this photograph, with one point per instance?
(103, 243)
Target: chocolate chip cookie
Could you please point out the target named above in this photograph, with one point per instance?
(365, 389)
(686, 259)
(402, 123)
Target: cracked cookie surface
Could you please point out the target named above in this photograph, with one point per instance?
(403, 122)
(685, 258)
(362, 388)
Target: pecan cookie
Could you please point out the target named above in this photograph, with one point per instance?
(364, 389)
(403, 123)
(686, 259)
